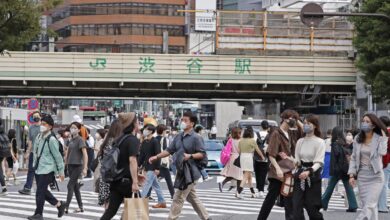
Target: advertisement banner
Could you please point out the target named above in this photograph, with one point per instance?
(206, 21)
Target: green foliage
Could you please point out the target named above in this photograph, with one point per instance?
(372, 42)
(19, 21)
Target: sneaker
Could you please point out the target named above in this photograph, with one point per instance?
(220, 187)
(25, 191)
(254, 195)
(239, 196)
(81, 184)
(351, 210)
(160, 206)
(261, 194)
(36, 217)
(61, 209)
(230, 188)
(4, 192)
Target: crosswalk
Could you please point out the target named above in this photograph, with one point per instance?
(223, 205)
(94, 127)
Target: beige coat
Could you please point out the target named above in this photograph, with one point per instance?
(230, 170)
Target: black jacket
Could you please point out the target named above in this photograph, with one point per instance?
(338, 160)
(149, 148)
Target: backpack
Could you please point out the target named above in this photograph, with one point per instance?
(226, 152)
(109, 163)
(60, 146)
(5, 146)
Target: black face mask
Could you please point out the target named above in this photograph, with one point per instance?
(292, 123)
(37, 119)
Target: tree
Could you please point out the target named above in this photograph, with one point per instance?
(372, 42)
(19, 21)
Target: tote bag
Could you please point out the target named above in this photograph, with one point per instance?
(136, 208)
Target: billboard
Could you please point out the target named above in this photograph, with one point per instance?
(205, 21)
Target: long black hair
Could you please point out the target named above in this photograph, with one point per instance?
(338, 136)
(113, 134)
(378, 127)
(11, 134)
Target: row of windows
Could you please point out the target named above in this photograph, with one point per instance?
(133, 48)
(118, 8)
(120, 29)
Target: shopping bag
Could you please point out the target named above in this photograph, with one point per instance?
(136, 208)
(15, 167)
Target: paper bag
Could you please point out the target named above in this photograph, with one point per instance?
(136, 208)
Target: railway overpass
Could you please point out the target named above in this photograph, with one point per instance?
(174, 76)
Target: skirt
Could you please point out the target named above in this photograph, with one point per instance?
(246, 160)
(230, 170)
(370, 186)
(325, 172)
(104, 192)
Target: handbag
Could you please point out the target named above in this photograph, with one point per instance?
(287, 187)
(136, 208)
(237, 162)
(286, 165)
(95, 164)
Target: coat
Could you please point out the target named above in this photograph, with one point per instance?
(378, 149)
(339, 164)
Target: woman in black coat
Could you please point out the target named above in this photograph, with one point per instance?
(339, 164)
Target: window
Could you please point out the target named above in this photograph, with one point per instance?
(101, 9)
(159, 30)
(110, 29)
(148, 29)
(137, 29)
(117, 29)
(126, 29)
(148, 9)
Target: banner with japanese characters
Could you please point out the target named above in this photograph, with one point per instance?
(205, 21)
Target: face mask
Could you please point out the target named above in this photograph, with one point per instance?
(36, 119)
(183, 126)
(291, 123)
(365, 127)
(349, 138)
(74, 131)
(43, 129)
(174, 133)
(138, 136)
(307, 129)
(146, 133)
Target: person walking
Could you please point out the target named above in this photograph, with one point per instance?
(149, 148)
(230, 171)
(13, 159)
(281, 142)
(162, 138)
(5, 152)
(325, 171)
(128, 146)
(190, 150)
(366, 164)
(77, 162)
(90, 142)
(338, 169)
(114, 132)
(309, 157)
(33, 132)
(199, 130)
(48, 163)
(246, 148)
(99, 136)
(261, 166)
(382, 203)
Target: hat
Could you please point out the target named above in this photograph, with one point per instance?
(48, 119)
(76, 118)
(151, 121)
(126, 118)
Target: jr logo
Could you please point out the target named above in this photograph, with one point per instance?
(100, 64)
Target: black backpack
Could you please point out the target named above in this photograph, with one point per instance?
(5, 147)
(109, 163)
(60, 146)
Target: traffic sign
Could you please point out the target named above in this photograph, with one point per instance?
(314, 20)
(30, 118)
(33, 104)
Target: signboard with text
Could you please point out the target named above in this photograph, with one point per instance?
(205, 21)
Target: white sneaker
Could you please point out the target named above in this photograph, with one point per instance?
(239, 196)
(261, 195)
(254, 195)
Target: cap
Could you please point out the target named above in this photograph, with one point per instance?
(76, 118)
(126, 118)
(48, 119)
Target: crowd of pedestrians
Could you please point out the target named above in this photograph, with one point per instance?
(301, 165)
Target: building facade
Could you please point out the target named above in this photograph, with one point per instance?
(242, 5)
(126, 26)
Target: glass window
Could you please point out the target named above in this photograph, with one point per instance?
(134, 8)
(110, 9)
(110, 29)
(159, 30)
(148, 29)
(148, 9)
(117, 29)
(137, 29)
(116, 8)
(101, 9)
(135, 48)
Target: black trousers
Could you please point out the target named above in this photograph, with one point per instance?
(261, 169)
(269, 201)
(119, 190)
(73, 185)
(2, 177)
(91, 155)
(42, 194)
(310, 199)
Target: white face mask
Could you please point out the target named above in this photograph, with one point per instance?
(183, 126)
(97, 136)
(74, 131)
(146, 133)
(43, 129)
(349, 138)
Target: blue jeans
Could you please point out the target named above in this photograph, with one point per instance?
(151, 181)
(348, 189)
(31, 172)
(205, 175)
(382, 203)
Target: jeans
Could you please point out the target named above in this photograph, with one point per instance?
(164, 172)
(30, 173)
(118, 191)
(73, 185)
(269, 201)
(2, 178)
(42, 194)
(151, 181)
(333, 180)
(205, 175)
(382, 204)
(91, 156)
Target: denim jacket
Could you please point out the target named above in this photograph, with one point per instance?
(378, 147)
(51, 159)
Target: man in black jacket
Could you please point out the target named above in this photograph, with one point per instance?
(151, 147)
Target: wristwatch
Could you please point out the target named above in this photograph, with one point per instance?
(191, 157)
